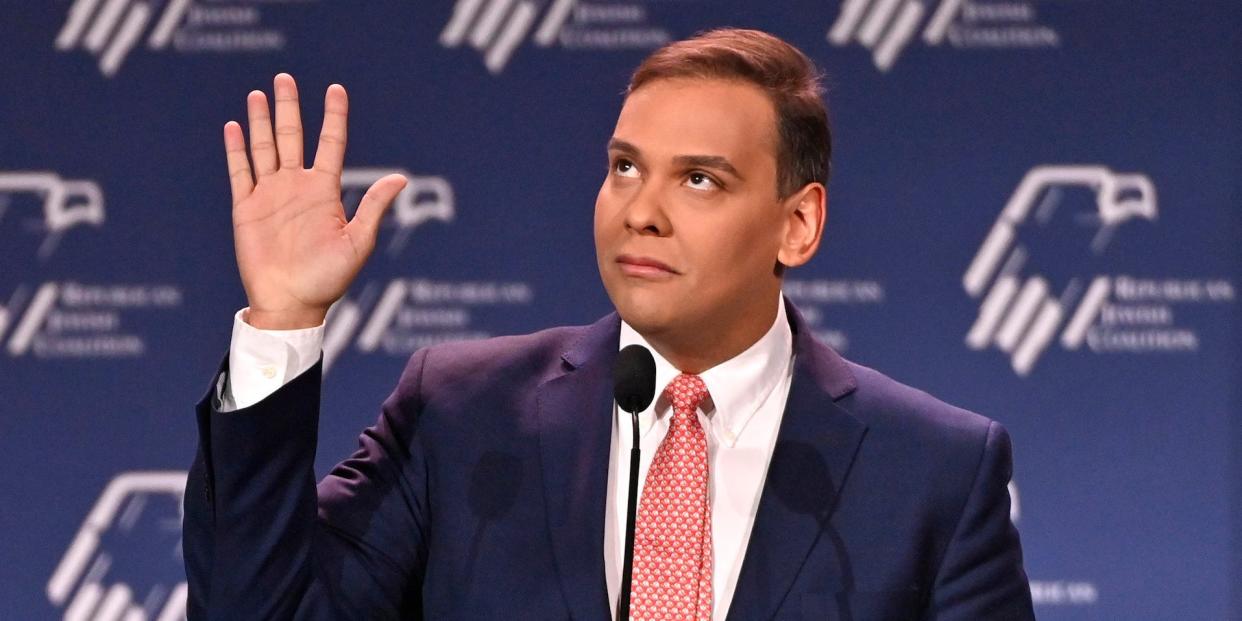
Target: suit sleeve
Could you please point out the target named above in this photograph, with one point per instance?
(981, 575)
(261, 541)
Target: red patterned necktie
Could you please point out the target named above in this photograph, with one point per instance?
(672, 578)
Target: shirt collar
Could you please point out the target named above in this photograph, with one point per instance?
(739, 385)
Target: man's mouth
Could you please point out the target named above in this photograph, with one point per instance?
(646, 267)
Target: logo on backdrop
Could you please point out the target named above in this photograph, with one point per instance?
(55, 318)
(111, 30)
(397, 316)
(888, 27)
(66, 203)
(827, 305)
(1025, 307)
(1015, 507)
(423, 199)
(125, 561)
(496, 28)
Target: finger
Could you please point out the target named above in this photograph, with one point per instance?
(330, 154)
(288, 122)
(240, 180)
(262, 149)
(365, 224)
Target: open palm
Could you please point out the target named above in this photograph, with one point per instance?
(296, 251)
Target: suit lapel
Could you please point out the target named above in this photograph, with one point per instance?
(815, 447)
(575, 439)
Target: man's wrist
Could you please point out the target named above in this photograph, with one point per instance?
(284, 320)
(262, 360)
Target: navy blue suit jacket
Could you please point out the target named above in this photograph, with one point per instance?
(480, 492)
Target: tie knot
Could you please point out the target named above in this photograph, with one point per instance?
(686, 392)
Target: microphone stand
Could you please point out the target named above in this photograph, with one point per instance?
(627, 571)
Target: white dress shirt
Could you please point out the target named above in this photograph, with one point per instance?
(261, 361)
(741, 418)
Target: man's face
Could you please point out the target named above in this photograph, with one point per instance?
(688, 222)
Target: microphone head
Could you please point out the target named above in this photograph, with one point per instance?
(633, 378)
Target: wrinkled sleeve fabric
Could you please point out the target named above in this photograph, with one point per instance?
(262, 541)
(981, 575)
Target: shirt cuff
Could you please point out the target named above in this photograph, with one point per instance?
(261, 361)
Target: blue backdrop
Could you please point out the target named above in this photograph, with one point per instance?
(1034, 214)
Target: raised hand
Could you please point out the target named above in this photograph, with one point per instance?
(296, 251)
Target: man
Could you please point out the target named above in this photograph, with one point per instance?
(779, 480)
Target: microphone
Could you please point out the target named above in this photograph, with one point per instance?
(633, 387)
(633, 378)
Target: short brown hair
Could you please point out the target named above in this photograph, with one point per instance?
(790, 79)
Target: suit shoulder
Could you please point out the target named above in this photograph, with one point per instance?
(945, 447)
(893, 408)
(465, 367)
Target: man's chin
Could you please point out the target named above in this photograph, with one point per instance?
(652, 309)
(649, 317)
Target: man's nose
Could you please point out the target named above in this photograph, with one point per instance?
(645, 214)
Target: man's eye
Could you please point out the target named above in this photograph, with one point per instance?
(625, 168)
(701, 181)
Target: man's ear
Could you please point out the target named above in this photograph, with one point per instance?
(804, 212)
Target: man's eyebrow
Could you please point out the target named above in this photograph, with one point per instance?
(717, 162)
(616, 144)
(708, 161)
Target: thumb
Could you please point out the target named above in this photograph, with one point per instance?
(366, 221)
